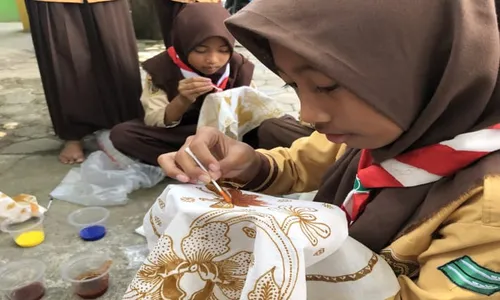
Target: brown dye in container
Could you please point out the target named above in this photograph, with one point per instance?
(94, 288)
(34, 291)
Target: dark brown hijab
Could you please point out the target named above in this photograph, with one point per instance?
(431, 66)
(195, 23)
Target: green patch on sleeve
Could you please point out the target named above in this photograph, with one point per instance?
(467, 274)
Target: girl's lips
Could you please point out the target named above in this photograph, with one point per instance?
(211, 69)
(337, 138)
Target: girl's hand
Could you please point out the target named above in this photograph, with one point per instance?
(220, 154)
(192, 88)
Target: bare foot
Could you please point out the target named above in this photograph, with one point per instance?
(72, 153)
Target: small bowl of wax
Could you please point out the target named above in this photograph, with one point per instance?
(27, 234)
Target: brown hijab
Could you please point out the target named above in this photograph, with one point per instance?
(430, 66)
(195, 23)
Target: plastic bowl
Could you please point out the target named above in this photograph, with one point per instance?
(90, 222)
(26, 234)
(88, 274)
(23, 280)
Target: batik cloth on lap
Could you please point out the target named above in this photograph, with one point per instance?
(237, 111)
(259, 247)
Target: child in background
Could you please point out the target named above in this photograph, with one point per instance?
(201, 61)
(87, 56)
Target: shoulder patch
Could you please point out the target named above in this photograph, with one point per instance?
(467, 274)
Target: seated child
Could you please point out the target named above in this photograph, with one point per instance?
(201, 61)
(409, 94)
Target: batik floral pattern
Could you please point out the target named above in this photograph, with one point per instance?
(207, 261)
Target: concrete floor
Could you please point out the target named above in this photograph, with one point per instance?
(28, 164)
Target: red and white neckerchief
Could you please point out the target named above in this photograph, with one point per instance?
(418, 167)
(187, 72)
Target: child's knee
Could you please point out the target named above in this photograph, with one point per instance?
(269, 127)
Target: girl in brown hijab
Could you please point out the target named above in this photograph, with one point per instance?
(200, 61)
(405, 98)
(87, 55)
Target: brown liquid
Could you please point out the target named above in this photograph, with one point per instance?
(34, 291)
(92, 289)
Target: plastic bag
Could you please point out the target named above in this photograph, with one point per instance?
(99, 181)
(105, 144)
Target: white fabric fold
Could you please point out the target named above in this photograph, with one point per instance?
(237, 111)
(19, 208)
(259, 245)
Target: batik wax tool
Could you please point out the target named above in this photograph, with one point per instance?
(223, 193)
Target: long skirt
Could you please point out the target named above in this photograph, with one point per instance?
(167, 10)
(88, 62)
(146, 143)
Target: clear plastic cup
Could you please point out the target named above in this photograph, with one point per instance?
(90, 222)
(23, 280)
(26, 234)
(88, 274)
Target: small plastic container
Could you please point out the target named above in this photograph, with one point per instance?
(26, 234)
(23, 280)
(90, 222)
(88, 274)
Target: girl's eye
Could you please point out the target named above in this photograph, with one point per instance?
(224, 50)
(200, 50)
(327, 89)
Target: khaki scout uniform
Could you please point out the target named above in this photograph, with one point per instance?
(454, 255)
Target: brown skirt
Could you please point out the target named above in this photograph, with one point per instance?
(167, 10)
(87, 56)
(146, 143)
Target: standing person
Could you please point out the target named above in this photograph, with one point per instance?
(408, 93)
(167, 11)
(87, 56)
(201, 61)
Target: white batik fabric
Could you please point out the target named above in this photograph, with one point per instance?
(258, 247)
(19, 208)
(237, 111)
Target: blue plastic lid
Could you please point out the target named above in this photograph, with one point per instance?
(93, 233)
